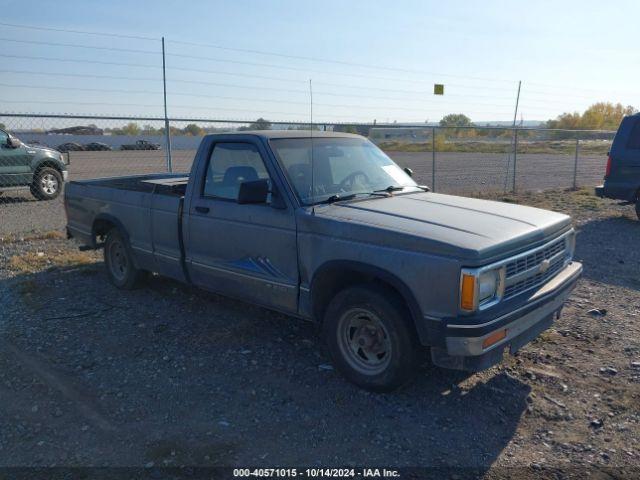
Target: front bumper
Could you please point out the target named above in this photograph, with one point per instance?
(463, 344)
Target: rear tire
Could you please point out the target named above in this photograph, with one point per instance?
(47, 183)
(370, 338)
(119, 264)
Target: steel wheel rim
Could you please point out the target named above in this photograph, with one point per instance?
(49, 183)
(364, 341)
(118, 262)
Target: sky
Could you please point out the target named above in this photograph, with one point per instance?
(358, 60)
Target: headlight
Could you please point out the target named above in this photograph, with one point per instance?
(480, 288)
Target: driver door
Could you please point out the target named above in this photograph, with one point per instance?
(246, 251)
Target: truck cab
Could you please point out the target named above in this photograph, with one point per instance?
(42, 169)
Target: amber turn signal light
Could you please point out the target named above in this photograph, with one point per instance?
(494, 338)
(468, 292)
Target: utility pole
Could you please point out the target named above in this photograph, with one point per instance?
(515, 144)
(167, 133)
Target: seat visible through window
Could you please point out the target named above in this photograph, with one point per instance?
(230, 165)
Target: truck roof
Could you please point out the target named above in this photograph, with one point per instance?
(291, 134)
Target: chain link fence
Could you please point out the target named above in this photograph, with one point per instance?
(457, 160)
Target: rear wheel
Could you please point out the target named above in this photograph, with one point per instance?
(120, 267)
(369, 337)
(47, 183)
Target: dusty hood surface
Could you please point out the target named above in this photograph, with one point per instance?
(445, 224)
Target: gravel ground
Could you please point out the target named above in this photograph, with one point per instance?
(168, 375)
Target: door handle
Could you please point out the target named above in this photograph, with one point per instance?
(202, 209)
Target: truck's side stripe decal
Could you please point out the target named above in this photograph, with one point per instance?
(231, 272)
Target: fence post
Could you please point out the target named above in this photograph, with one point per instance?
(575, 165)
(515, 158)
(433, 159)
(167, 133)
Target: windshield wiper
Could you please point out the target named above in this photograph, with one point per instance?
(389, 189)
(337, 197)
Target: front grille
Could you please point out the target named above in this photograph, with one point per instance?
(530, 261)
(534, 280)
(524, 263)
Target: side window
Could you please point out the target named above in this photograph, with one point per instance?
(634, 136)
(3, 138)
(230, 165)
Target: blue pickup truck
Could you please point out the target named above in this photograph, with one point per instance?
(325, 227)
(622, 174)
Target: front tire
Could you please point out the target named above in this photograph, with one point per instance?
(117, 259)
(47, 184)
(370, 339)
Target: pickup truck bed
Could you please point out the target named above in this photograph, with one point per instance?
(147, 207)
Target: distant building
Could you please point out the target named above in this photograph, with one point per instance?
(80, 130)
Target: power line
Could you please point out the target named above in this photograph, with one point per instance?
(81, 32)
(74, 45)
(80, 75)
(260, 52)
(268, 53)
(336, 62)
(52, 59)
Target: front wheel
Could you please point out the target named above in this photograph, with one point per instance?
(370, 338)
(47, 183)
(120, 267)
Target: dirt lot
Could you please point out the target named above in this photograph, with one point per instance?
(169, 375)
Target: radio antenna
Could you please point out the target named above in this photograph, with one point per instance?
(311, 136)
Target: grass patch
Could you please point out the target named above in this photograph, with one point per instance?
(50, 235)
(32, 262)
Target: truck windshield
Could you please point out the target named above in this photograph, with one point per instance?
(342, 167)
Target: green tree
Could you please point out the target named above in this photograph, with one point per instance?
(599, 116)
(193, 130)
(2, 127)
(260, 124)
(131, 129)
(456, 120)
(149, 130)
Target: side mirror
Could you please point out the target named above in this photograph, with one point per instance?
(408, 171)
(13, 142)
(255, 191)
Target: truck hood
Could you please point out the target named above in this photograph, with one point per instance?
(48, 150)
(444, 224)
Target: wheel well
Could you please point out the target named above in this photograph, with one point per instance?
(48, 163)
(101, 227)
(328, 282)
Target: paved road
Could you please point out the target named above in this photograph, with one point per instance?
(459, 173)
